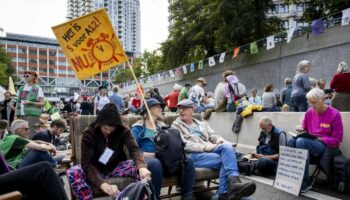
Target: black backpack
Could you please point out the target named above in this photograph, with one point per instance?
(140, 190)
(170, 149)
(340, 178)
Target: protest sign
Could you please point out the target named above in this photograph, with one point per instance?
(290, 171)
(90, 44)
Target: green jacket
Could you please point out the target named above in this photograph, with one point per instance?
(12, 147)
(29, 110)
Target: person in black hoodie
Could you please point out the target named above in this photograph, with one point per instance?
(7, 108)
(103, 156)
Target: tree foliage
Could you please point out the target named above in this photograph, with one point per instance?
(202, 28)
(6, 69)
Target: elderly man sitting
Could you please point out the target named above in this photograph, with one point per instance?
(325, 124)
(209, 150)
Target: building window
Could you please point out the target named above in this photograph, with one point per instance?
(41, 61)
(21, 69)
(42, 70)
(52, 62)
(42, 53)
(52, 53)
(300, 7)
(13, 50)
(51, 70)
(22, 50)
(21, 60)
(32, 61)
(33, 52)
(61, 63)
(60, 54)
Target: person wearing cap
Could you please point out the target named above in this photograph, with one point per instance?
(209, 150)
(103, 156)
(184, 92)
(101, 99)
(144, 132)
(30, 100)
(197, 93)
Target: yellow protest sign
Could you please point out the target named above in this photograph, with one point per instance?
(90, 44)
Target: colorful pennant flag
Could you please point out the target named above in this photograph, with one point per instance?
(346, 17)
(192, 67)
(177, 71)
(184, 69)
(159, 76)
(317, 27)
(171, 73)
(254, 48)
(200, 65)
(222, 57)
(270, 42)
(290, 33)
(235, 52)
(211, 61)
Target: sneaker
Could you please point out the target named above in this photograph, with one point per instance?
(306, 185)
(237, 189)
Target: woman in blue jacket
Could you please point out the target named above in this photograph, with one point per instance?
(144, 132)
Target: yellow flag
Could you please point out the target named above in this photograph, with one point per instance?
(90, 44)
(11, 86)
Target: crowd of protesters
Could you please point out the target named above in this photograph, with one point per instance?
(29, 141)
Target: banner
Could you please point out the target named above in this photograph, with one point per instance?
(192, 67)
(290, 33)
(200, 65)
(270, 42)
(211, 61)
(90, 44)
(222, 57)
(346, 17)
(254, 48)
(177, 71)
(317, 27)
(184, 69)
(171, 73)
(235, 52)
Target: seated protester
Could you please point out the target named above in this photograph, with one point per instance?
(144, 133)
(209, 150)
(103, 156)
(325, 123)
(14, 147)
(51, 136)
(267, 151)
(37, 181)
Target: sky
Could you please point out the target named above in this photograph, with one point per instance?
(35, 17)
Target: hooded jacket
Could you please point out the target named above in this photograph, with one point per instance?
(93, 144)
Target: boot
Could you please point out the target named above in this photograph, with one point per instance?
(188, 197)
(237, 189)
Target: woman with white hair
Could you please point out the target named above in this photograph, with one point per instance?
(341, 85)
(172, 98)
(325, 124)
(301, 85)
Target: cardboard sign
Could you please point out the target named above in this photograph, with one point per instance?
(290, 171)
(90, 44)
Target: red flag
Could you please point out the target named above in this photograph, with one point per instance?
(235, 52)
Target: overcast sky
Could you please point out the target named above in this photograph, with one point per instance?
(35, 17)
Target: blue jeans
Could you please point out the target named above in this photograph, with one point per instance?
(35, 156)
(156, 168)
(314, 148)
(299, 103)
(265, 165)
(223, 157)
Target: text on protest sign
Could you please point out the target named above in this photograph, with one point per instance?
(90, 44)
(290, 171)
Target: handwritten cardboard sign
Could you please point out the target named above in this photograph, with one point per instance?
(90, 44)
(290, 171)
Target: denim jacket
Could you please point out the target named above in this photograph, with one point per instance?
(144, 140)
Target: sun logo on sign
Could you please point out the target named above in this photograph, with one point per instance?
(102, 50)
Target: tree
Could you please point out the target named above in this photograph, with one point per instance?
(6, 69)
(202, 28)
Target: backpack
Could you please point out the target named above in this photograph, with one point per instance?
(340, 180)
(170, 149)
(137, 191)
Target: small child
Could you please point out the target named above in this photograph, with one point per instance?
(285, 108)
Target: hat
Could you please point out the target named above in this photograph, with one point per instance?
(186, 103)
(202, 79)
(109, 115)
(150, 103)
(187, 84)
(102, 87)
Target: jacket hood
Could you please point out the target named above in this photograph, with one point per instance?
(109, 115)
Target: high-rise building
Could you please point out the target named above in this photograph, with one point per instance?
(290, 13)
(124, 16)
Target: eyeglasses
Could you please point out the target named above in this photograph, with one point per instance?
(26, 129)
(26, 76)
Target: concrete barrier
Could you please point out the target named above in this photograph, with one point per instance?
(247, 139)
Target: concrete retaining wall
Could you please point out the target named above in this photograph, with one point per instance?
(325, 52)
(247, 138)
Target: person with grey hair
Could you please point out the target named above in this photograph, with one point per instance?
(324, 126)
(14, 147)
(117, 100)
(286, 93)
(267, 151)
(172, 98)
(301, 85)
(341, 85)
